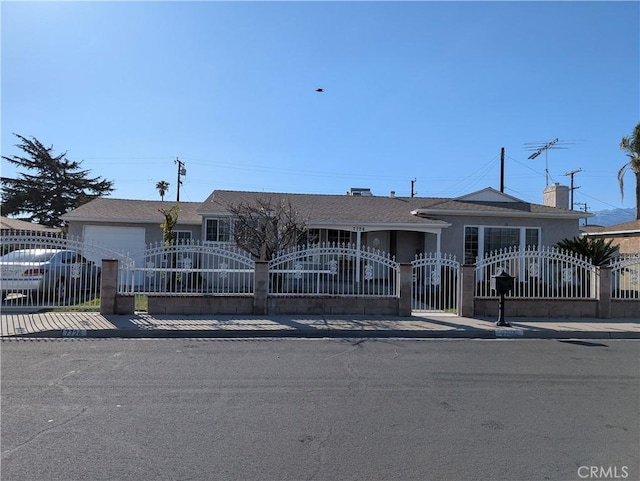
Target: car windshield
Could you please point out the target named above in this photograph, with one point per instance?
(28, 256)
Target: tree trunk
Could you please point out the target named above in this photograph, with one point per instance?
(637, 195)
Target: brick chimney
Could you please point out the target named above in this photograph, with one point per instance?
(557, 195)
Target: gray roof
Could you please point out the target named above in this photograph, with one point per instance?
(336, 209)
(632, 227)
(129, 210)
(324, 209)
(330, 209)
(6, 223)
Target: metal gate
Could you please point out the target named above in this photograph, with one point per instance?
(436, 283)
(40, 271)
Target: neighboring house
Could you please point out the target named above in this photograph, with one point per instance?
(14, 225)
(626, 236)
(466, 227)
(128, 226)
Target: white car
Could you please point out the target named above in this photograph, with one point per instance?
(49, 275)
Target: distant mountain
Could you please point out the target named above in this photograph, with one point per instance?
(612, 217)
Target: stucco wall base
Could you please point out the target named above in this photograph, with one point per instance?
(627, 308)
(200, 305)
(124, 305)
(333, 305)
(275, 305)
(537, 308)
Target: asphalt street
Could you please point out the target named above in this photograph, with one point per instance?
(325, 409)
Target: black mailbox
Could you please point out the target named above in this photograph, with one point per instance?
(502, 283)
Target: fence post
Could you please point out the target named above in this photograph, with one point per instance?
(604, 292)
(260, 288)
(405, 284)
(108, 286)
(467, 290)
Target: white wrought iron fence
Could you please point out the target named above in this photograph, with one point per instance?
(46, 270)
(436, 283)
(625, 277)
(333, 270)
(189, 268)
(540, 273)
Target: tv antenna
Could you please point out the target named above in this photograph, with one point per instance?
(540, 147)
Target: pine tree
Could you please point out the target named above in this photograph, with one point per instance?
(55, 186)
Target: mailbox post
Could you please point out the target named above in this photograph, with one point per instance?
(502, 283)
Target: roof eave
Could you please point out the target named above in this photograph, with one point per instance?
(127, 220)
(548, 215)
(613, 232)
(369, 226)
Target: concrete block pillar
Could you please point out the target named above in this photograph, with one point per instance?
(405, 283)
(467, 291)
(260, 288)
(604, 293)
(108, 286)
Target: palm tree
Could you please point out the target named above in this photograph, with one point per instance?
(598, 251)
(631, 145)
(162, 187)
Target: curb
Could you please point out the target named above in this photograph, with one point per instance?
(323, 333)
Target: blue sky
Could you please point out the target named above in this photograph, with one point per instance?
(413, 90)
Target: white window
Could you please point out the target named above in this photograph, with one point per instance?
(481, 240)
(338, 236)
(183, 236)
(218, 230)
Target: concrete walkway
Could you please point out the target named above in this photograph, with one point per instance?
(143, 325)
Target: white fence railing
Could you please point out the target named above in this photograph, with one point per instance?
(188, 269)
(625, 277)
(321, 270)
(540, 273)
(47, 270)
(333, 270)
(436, 283)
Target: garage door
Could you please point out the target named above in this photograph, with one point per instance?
(125, 240)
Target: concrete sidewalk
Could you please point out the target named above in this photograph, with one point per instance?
(143, 325)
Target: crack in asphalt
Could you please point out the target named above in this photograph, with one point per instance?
(9, 452)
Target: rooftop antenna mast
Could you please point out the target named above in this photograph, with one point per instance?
(544, 148)
(540, 147)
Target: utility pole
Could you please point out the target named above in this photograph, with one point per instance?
(502, 170)
(586, 207)
(181, 171)
(572, 188)
(413, 182)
